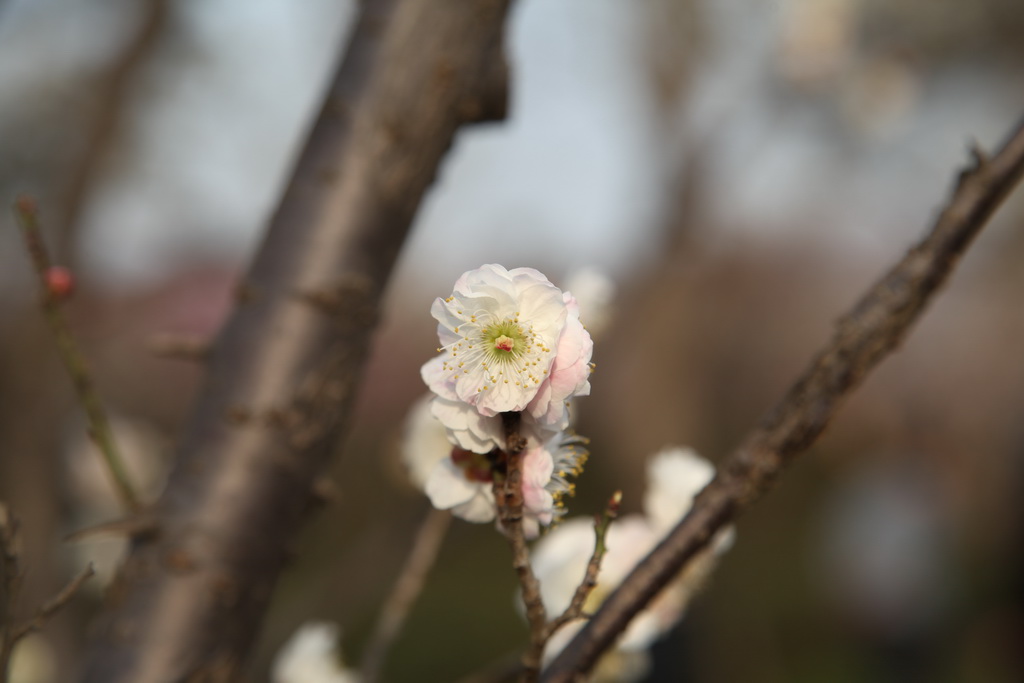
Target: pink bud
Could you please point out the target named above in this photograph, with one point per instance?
(60, 282)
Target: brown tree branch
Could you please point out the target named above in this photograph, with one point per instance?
(508, 495)
(282, 377)
(875, 327)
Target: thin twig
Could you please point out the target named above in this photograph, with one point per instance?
(407, 588)
(508, 495)
(81, 378)
(51, 606)
(506, 669)
(875, 327)
(135, 527)
(10, 583)
(575, 611)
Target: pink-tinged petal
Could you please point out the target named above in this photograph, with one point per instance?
(536, 498)
(438, 378)
(570, 373)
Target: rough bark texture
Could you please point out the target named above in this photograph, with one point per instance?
(191, 596)
(874, 328)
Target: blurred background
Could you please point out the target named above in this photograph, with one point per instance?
(739, 171)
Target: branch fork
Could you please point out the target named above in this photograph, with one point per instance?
(508, 495)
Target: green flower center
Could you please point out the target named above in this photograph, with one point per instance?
(505, 341)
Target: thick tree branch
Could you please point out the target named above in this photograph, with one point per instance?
(282, 378)
(874, 328)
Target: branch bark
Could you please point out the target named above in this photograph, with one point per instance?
(508, 494)
(282, 378)
(875, 327)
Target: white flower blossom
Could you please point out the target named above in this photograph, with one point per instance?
(510, 341)
(469, 429)
(461, 480)
(446, 473)
(311, 656)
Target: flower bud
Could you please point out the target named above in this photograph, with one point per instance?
(60, 282)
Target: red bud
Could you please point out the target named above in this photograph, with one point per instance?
(60, 283)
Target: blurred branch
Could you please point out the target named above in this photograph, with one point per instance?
(51, 606)
(10, 571)
(407, 588)
(111, 95)
(875, 327)
(54, 290)
(283, 376)
(10, 584)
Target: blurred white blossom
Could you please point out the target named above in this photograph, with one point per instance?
(33, 660)
(311, 656)
(595, 293)
(674, 478)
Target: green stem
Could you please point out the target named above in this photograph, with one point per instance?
(99, 426)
